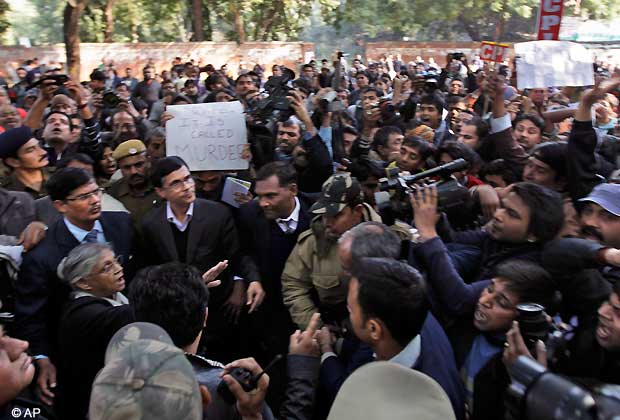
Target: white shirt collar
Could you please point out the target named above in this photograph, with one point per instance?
(80, 233)
(173, 219)
(294, 216)
(409, 355)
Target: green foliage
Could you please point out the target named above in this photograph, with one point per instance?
(44, 26)
(266, 20)
(4, 21)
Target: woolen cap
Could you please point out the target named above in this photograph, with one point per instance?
(552, 154)
(11, 140)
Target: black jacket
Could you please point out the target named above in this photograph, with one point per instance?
(582, 166)
(212, 237)
(40, 293)
(17, 210)
(320, 166)
(86, 326)
(254, 235)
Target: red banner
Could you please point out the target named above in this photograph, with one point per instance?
(492, 51)
(549, 19)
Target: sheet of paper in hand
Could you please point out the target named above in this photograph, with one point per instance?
(209, 136)
(542, 64)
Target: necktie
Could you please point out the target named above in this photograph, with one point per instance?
(91, 237)
(289, 226)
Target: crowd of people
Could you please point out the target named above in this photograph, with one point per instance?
(130, 289)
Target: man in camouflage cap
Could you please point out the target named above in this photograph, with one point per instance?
(313, 267)
(134, 190)
(145, 377)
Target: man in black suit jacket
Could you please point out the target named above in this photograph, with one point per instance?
(200, 233)
(268, 229)
(39, 292)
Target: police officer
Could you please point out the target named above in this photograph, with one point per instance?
(23, 155)
(310, 281)
(134, 189)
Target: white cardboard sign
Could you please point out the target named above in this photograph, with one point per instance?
(210, 136)
(542, 64)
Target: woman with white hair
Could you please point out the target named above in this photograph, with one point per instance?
(95, 311)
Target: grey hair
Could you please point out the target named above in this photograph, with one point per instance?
(80, 262)
(372, 240)
(155, 132)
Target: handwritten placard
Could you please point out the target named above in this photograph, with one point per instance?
(209, 136)
(542, 64)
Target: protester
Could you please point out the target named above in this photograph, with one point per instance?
(328, 233)
(39, 292)
(96, 309)
(26, 160)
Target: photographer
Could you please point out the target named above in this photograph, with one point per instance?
(305, 150)
(491, 303)
(602, 359)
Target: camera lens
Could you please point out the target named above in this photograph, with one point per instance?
(530, 309)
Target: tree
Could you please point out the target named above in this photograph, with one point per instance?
(109, 20)
(4, 22)
(197, 24)
(71, 25)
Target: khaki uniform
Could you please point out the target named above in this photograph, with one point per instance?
(315, 266)
(137, 204)
(11, 183)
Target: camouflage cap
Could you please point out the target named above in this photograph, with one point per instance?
(128, 148)
(145, 377)
(339, 191)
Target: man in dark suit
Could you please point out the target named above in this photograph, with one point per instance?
(200, 233)
(268, 229)
(39, 292)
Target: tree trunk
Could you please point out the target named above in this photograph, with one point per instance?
(472, 29)
(197, 23)
(499, 29)
(268, 21)
(206, 13)
(71, 34)
(235, 6)
(109, 20)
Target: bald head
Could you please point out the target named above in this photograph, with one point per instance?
(368, 239)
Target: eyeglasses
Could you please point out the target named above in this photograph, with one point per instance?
(180, 183)
(110, 266)
(86, 196)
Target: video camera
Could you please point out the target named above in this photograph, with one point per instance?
(537, 394)
(265, 112)
(452, 195)
(57, 79)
